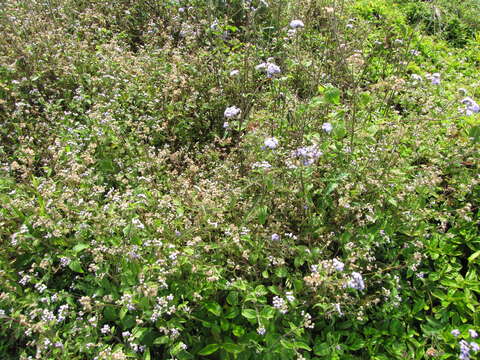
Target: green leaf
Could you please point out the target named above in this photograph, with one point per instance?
(238, 331)
(110, 313)
(250, 314)
(331, 187)
(262, 213)
(232, 298)
(75, 266)
(287, 344)
(321, 349)
(123, 312)
(267, 312)
(80, 247)
(232, 348)
(161, 340)
(332, 95)
(231, 313)
(475, 133)
(209, 349)
(302, 345)
(474, 256)
(365, 98)
(281, 272)
(214, 308)
(146, 354)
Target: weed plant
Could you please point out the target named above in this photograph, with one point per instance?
(239, 179)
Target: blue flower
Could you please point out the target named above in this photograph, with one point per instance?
(471, 106)
(273, 70)
(295, 24)
(356, 281)
(271, 143)
(231, 112)
(327, 127)
(275, 237)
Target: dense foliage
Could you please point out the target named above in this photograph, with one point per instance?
(239, 179)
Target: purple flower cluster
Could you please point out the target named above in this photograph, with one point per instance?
(308, 154)
(271, 68)
(471, 106)
(465, 346)
(356, 281)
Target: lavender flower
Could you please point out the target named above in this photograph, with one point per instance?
(356, 281)
(275, 237)
(472, 333)
(261, 66)
(471, 106)
(464, 350)
(416, 77)
(231, 112)
(269, 67)
(474, 346)
(295, 24)
(338, 265)
(271, 143)
(434, 78)
(327, 127)
(261, 331)
(455, 332)
(105, 329)
(273, 70)
(308, 154)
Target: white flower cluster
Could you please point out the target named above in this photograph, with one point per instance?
(162, 306)
(261, 165)
(280, 304)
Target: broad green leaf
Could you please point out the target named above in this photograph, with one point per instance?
(332, 95)
(238, 331)
(232, 348)
(214, 308)
(250, 314)
(209, 349)
(268, 312)
(110, 313)
(161, 340)
(475, 133)
(232, 298)
(80, 247)
(232, 313)
(75, 266)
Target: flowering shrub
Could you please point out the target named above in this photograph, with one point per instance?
(236, 180)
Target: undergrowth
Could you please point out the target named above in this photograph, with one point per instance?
(239, 179)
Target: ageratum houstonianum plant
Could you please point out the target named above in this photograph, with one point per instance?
(334, 217)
